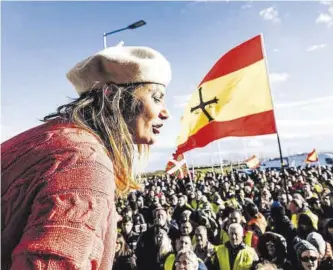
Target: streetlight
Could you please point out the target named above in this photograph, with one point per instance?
(131, 26)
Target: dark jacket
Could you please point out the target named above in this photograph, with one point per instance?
(280, 257)
(282, 225)
(327, 236)
(125, 262)
(146, 249)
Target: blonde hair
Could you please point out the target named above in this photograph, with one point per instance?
(106, 113)
(190, 255)
(166, 246)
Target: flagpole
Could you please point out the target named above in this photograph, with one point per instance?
(193, 168)
(211, 163)
(277, 133)
(221, 161)
(188, 170)
(319, 166)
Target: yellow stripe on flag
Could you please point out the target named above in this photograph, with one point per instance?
(240, 93)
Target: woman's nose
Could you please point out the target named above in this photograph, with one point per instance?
(164, 114)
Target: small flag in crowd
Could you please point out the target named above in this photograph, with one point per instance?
(253, 162)
(233, 99)
(312, 157)
(177, 167)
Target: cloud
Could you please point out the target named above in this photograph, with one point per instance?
(316, 47)
(326, 3)
(278, 77)
(255, 143)
(310, 102)
(306, 123)
(247, 5)
(270, 14)
(181, 101)
(325, 19)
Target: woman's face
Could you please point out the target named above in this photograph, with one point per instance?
(309, 260)
(148, 123)
(118, 245)
(270, 248)
(184, 263)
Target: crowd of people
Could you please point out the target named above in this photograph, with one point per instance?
(234, 221)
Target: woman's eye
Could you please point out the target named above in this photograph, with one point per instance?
(157, 100)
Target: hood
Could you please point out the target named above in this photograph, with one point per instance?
(280, 245)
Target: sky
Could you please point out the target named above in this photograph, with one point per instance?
(41, 41)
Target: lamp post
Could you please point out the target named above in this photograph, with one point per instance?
(131, 26)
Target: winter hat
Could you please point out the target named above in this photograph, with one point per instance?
(276, 204)
(318, 241)
(277, 211)
(251, 209)
(302, 246)
(121, 65)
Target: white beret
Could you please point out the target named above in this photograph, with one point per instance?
(120, 65)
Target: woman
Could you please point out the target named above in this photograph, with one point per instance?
(307, 255)
(324, 250)
(305, 226)
(272, 247)
(59, 179)
(186, 260)
(124, 258)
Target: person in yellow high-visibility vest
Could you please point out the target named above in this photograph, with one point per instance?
(186, 259)
(203, 248)
(169, 261)
(182, 244)
(197, 203)
(298, 207)
(235, 255)
(250, 238)
(217, 203)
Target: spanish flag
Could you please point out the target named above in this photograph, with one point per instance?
(312, 157)
(233, 99)
(253, 162)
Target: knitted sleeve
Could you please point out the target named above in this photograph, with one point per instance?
(68, 221)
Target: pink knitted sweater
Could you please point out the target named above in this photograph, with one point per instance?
(57, 204)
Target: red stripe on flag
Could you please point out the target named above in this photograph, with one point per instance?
(239, 57)
(251, 125)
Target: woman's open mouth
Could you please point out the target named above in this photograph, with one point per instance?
(156, 128)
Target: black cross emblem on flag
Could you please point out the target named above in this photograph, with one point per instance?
(202, 105)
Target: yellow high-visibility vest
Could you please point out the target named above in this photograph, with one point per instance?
(194, 204)
(194, 240)
(243, 260)
(248, 238)
(170, 260)
(224, 237)
(312, 216)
